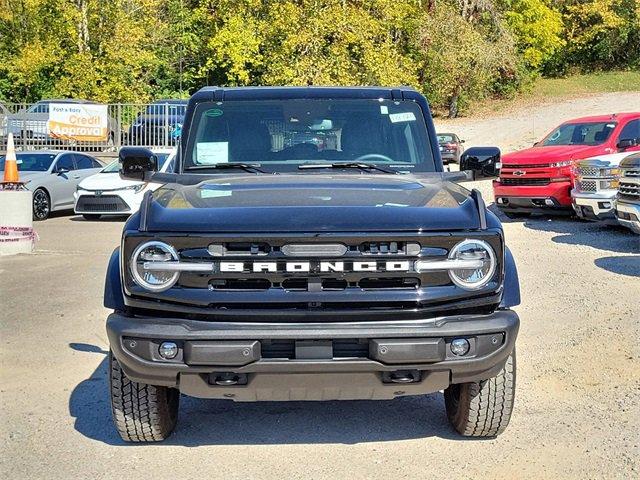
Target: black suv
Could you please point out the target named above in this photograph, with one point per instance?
(309, 247)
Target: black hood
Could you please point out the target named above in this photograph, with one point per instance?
(313, 203)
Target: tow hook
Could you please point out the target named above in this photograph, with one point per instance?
(228, 379)
(403, 376)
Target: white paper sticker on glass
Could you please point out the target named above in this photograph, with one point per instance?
(211, 153)
(402, 117)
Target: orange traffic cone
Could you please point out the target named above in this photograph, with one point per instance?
(10, 163)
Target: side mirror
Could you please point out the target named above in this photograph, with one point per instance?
(627, 143)
(461, 141)
(481, 161)
(137, 163)
(62, 171)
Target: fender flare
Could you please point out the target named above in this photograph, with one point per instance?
(113, 298)
(511, 295)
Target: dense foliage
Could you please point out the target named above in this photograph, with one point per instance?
(453, 50)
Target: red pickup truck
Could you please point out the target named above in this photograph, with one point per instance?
(540, 178)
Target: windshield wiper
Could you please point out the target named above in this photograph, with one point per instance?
(358, 165)
(247, 167)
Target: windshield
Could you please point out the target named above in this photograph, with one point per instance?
(281, 135)
(593, 133)
(445, 138)
(31, 162)
(114, 167)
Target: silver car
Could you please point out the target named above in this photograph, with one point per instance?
(53, 176)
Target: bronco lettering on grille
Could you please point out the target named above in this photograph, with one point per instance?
(316, 266)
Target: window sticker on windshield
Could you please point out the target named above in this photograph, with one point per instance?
(213, 112)
(402, 117)
(384, 110)
(211, 153)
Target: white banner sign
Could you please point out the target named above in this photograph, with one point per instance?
(81, 122)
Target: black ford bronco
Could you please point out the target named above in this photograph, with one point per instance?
(309, 246)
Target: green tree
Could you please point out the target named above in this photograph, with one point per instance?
(537, 28)
(599, 34)
(454, 73)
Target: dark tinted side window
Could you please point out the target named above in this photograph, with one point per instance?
(631, 130)
(66, 162)
(84, 162)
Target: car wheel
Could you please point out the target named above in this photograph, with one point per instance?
(41, 204)
(483, 409)
(91, 216)
(141, 412)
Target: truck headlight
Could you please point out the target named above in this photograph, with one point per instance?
(480, 272)
(611, 184)
(146, 266)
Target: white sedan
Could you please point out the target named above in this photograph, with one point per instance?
(105, 193)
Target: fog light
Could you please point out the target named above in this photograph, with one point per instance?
(168, 350)
(459, 346)
(548, 202)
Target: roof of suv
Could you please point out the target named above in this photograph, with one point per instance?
(257, 93)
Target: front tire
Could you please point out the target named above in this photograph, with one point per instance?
(141, 412)
(483, 409)
(41, 204)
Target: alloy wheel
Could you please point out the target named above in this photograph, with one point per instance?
(41, 205)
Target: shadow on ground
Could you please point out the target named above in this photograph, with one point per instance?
(223, 422)
(611, 238)
(623, 265)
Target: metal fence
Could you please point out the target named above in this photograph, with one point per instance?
(154, 125)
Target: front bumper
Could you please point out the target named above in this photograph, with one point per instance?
(312, 361)
(628, 215)
(522, 199)
(594, 206)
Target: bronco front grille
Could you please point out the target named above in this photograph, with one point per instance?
(375, 272)
(524, 181)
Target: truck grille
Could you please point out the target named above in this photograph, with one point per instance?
(629, 191)
(257, 274)
(528, 165)
(524, 181)
(104, 203)
(587, 186)
(588, 171)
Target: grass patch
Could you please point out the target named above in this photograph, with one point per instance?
(550, 89)
(589, 83)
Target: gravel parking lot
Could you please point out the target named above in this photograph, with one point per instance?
(576, 414)
(577, 403)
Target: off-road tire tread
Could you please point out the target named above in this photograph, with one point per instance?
(141, 412)
(483, 409)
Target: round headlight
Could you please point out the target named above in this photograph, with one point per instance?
(476, 277)
(146, 266)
